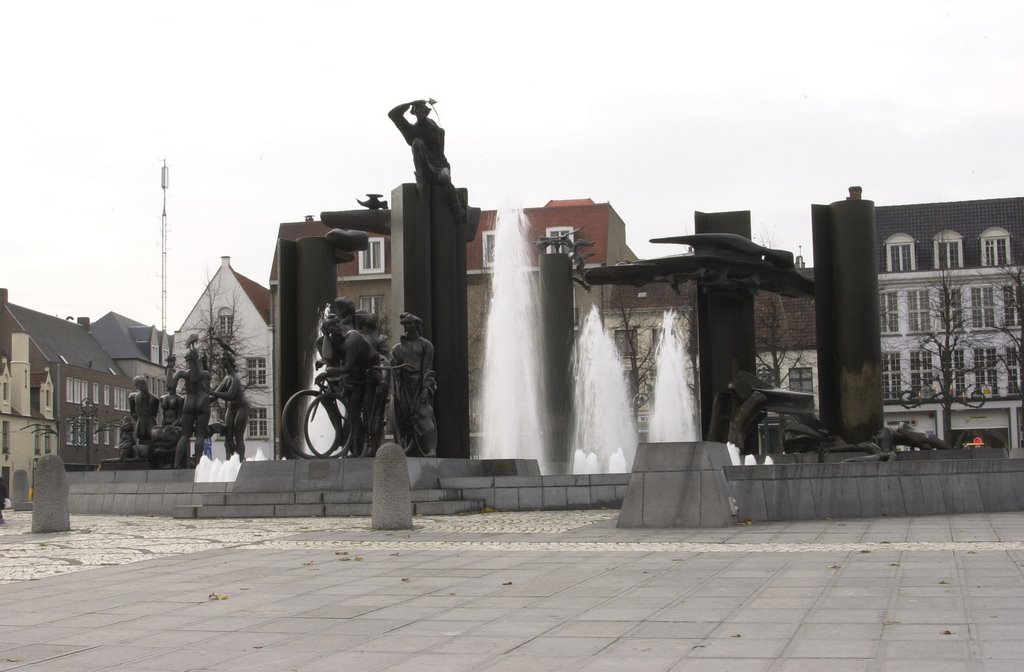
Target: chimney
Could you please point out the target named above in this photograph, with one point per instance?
(225, 262)
(309, 218)
(20, 393)
(3, 298)
(85, 322)
(855, 194)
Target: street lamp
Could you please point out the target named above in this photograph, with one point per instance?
(81, 425)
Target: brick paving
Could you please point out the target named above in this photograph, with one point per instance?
(512, 591)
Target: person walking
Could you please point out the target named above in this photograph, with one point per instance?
(3, 498)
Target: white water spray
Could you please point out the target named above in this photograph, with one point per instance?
(512, 408)
(673, 416)
(604, 430)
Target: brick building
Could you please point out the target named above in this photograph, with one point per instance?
(89, 391)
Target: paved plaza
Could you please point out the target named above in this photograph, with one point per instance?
(558, 591)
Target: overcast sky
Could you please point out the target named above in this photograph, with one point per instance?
(270, 111)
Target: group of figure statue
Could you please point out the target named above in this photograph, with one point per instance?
(362, 372)
(184, 418)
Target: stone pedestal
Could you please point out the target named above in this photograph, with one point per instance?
(50, 511)
(678, 485)
(19, 491)
(392, 500)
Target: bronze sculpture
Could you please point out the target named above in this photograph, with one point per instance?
(195, 411)
(351, 361)
(414, 382)
(236, 418)
(143, 407)
(426, 139)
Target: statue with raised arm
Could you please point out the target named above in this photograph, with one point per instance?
(426, 139)
(236, 417)
(415, 383)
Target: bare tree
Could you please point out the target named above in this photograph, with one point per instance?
(945, 333)
(220, 327)
(1007, 282)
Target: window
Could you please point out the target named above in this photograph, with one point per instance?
(801, 379)
(1012, 371)
(959, 370)
(995, 247)
(5, 390)
(1010, 315)
(106, 395)
(556, 232)
(258, 423)
(488, 241)
(918, 310)
(891, 378)
(95, 393)
(949, 250)
(371, 260)
(985, 361)
(256, 370)
(120, 399)
(889, 305)
(154, 352)
(35, 443)
(372, 304)
(920, 371)
(955, 306)
(625, 342)
(983, 308)
(5, 437)
(899, 254)
(225, 322)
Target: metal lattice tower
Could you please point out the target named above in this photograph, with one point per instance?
(163, 252)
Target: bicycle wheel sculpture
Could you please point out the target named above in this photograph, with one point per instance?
(315, 425)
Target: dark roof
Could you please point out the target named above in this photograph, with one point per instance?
(258, 294)
(124, 338)
(58, 338)
(922, 221)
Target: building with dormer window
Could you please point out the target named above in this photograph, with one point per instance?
(950, 317)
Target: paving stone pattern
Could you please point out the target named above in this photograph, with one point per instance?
(513, 591)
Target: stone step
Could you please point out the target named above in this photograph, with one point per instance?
(318, 497)
(448, 507)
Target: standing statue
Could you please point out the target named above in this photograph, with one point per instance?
(236, 418)
(195, 412)
(349, 358)
(376, 382)
(427, 141)
(164, 438)
(143, 407)
(415, 384)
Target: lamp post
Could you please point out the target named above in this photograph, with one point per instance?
(81, 429)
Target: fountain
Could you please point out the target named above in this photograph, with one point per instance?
(673, 416)
(513, 412)
(604, 433)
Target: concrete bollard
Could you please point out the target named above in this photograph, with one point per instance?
(50, 508)
(19, 491)
(392, 502)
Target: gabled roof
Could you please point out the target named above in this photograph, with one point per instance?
(258, 294)
(124, 338)
(63, 341)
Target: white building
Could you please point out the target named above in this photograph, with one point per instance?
(235, 310)
(949, 281)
